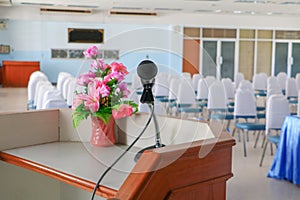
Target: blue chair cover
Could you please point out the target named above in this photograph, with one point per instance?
(286, 163)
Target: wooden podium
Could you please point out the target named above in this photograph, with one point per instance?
(194, 164)
(17, 73)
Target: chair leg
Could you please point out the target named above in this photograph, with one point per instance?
(228, 124)
(233, 131)
(247, 136)
(239, 135)
(256, 140)
(263, 154)
(263, 142)
(244, 142)
(271, 148)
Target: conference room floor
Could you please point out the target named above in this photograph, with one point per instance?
(249, 181)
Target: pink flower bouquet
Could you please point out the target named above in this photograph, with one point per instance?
(103, 91)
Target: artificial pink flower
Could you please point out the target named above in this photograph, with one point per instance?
(77, 100)
(117, 75)
(104, 90)
(99, 64)
(119, 67)
(124, 111)
(91, 99)
(91, 52)
(123, 88)
(84, 79)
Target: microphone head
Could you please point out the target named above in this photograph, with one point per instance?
(147, 70)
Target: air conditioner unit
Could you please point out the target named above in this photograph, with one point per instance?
(5, 3)
(132, 12)
(65, 10)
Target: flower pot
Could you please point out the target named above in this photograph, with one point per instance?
(103, 135)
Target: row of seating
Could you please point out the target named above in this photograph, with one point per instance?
(42, 94)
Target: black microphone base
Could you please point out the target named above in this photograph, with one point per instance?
(138, 155)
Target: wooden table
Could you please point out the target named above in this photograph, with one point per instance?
(195, 165)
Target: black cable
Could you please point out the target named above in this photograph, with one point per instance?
(128, 148)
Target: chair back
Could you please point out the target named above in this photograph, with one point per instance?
(195, 80)
(66, 86)
(31, 88)
(161, 87)
(237, 79)
(51, 94)
(272, 83)
(39, 90)
(229, 89)
(277, 110)
(186, 75)
(245, 103)
(259, 82)
(291, 88)
(173, 90)
(216, 97)
(55, 103)
(62, 76)
(298, 81)
(281, 77)
(186, 93)
(209, 80)
(71, 90)
(246, 85)
(40, 94)
(202, 90)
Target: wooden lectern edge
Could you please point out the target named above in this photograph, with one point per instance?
(56, 174)
(152, 159)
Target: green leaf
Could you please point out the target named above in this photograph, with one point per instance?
(79, 114)
(104, 113)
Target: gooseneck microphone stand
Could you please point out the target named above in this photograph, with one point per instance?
(147, 97)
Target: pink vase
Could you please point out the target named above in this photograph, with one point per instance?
(103, 135)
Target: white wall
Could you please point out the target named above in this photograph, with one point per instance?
(172, 18)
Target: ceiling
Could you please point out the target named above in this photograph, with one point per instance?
(163, 7)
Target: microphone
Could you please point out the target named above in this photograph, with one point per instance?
(147, 71)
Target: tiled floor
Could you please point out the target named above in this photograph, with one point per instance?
(249, 181)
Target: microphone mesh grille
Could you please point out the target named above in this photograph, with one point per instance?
(147, 70)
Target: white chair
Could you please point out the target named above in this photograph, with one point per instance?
(217, 103)
(277, 110)
(71, 90)
(291, 88)
(55, 103)
(237, 79)
(202, 93)
(246, 84)
(209, 80)
(35, 77)
(38, 91)
(62, 76)
(51, 94)
(186, 75)
(172, 96)
(272, 82)
(136, 88)
(40, 97)
(186, 98)
(281, 77)
(195, 80)
(229, 89)
(260, 84)
(216, 97)
(245, 108)
(66, 86)
(161, 87)
(298, 81)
